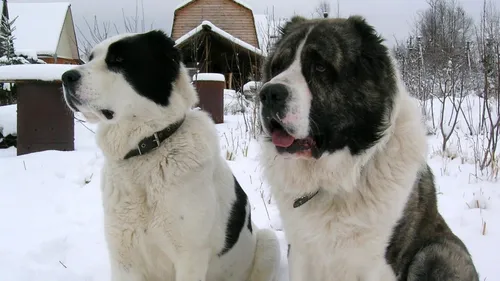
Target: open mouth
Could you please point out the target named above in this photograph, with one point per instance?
(285, 142)
(73, 103)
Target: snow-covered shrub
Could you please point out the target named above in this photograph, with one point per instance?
(235, 103)
(250, 89)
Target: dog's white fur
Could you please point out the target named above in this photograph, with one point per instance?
(166, 211)
(342, 233)
(299, 100)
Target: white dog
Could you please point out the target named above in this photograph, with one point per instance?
(173, 209)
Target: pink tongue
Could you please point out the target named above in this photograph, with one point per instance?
(282, 138)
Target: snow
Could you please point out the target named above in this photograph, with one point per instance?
(184, 3)
(44, 72)
(252, 86)
(51, 212)
(8, 120)
(32, 54)
(209, 77)
(6, 86)
(220, 32)
(38, 26)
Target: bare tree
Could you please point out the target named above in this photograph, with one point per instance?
(269, 33)
(436, 61)
(448, 59)
(323, 9)
(488, 38)
(97, 30)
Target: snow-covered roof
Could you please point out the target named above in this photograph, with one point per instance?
(252, 86)
(186, 2)
(209, 77)
(38, 26)
(44, 72)
(220, 32)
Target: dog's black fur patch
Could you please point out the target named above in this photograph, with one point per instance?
(237, 216)
(249, 222)
(149, 62)
(422, 246)
(350, 76)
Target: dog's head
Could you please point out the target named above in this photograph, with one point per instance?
(128, 76)
(328, 85)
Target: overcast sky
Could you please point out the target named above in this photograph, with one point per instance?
(390, 17)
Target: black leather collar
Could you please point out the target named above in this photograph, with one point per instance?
(304, 199)
(152, 142)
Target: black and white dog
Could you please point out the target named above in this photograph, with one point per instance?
(172, 207)
(345, 155)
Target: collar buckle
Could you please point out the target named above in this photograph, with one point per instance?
(156, 139)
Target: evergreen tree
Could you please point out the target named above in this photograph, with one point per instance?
(6, 43)
(7, 52)
(7, 39)
(8, 55)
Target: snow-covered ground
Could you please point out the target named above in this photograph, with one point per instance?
(51, 219)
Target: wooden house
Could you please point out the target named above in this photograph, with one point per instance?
(219, 36)
(45, 30)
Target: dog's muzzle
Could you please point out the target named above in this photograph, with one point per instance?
(70, 80)
(274, 98)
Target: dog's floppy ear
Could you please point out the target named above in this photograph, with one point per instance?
(366, 31)
(290, 25)
(373, 55)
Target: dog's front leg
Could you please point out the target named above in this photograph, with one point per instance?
(192, 266)
(120, 272)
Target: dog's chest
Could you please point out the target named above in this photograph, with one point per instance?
(163, 210)
(343, 237)
(148, 209)
(335, 248)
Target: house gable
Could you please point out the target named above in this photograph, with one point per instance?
(67, 46)
(230, 16)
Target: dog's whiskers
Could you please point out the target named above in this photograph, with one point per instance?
(278, 117)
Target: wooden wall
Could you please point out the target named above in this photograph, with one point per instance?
(50, 60)
(225, 14)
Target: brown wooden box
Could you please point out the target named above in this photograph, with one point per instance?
(44, 122)
(211, 94)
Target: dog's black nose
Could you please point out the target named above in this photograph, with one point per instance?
(70, 78)
(274, 96)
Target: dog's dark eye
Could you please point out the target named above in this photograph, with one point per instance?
(275, 69)
(319, 67)
(115, 59)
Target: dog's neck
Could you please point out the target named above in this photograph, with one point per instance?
(403, 150)
(116, 140)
